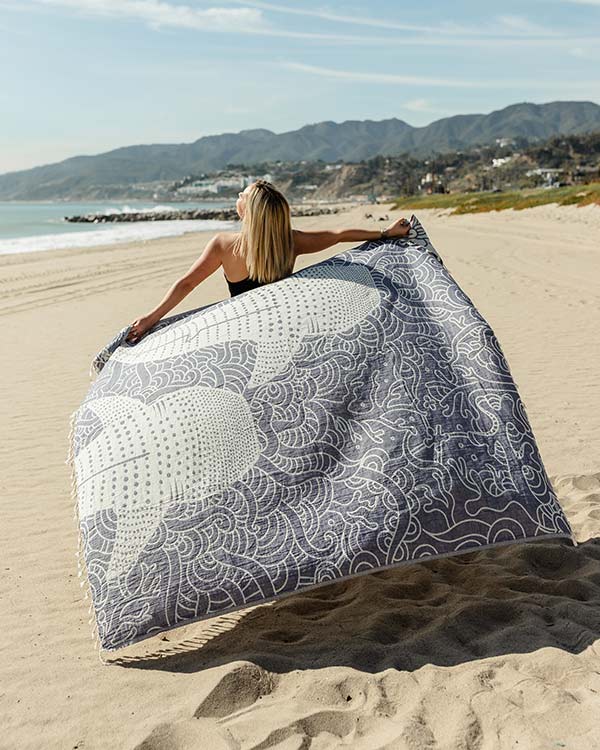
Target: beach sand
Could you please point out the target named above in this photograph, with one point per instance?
(491, 649)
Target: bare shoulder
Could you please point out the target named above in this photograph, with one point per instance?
(223, 241)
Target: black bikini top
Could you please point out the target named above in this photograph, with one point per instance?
(237, 287)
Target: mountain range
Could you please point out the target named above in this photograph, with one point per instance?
(111, 172)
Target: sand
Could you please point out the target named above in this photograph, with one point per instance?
(492, 649)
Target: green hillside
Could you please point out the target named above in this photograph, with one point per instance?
(355, 140)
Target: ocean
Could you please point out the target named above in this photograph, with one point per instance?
(27, 226)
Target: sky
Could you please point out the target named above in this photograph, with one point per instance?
(87, 76)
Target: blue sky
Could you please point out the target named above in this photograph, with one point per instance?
(85, 76)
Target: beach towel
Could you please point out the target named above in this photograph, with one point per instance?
(356, 416)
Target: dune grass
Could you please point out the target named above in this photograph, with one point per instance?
(467, 203)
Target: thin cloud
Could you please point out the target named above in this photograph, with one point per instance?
(250, 20)
(522, 25)
(328, 16)
(512, 24)
(158, 14)
(387, 78)
(585, 54)
(162, 14)
(419, 105)
(379, 77)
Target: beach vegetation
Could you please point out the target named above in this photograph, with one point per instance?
(469, 202)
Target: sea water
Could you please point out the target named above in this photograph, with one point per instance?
(26, 226)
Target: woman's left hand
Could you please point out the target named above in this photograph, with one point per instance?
(399, 228)
(139, 328)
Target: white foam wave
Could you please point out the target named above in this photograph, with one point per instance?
(136, 210)
(135, 232)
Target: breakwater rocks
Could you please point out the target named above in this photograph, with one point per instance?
(218, 214)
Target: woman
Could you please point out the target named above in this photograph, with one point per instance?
(264, 251)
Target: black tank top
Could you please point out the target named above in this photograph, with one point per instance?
(237, 287)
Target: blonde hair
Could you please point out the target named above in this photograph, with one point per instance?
(266, 241)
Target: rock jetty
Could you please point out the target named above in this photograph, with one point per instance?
(219, 214)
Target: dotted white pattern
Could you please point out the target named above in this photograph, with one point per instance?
(322, 299)
(186, 446)
(388, 432)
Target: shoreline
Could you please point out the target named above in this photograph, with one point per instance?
(123, 228)
(122, 233)
(588, 215)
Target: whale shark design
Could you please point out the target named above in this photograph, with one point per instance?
(185, 446)
(317, 300)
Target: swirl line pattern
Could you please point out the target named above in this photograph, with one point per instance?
(355, 416)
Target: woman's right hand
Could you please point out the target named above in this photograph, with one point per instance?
(398, 228)
(139, 328)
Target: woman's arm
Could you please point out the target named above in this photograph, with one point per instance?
(207, 263)
(313, 242)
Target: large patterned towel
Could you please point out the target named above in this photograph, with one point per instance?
(355, 416)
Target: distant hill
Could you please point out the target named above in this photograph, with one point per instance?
(351, 141)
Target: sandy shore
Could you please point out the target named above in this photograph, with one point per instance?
(494, 649)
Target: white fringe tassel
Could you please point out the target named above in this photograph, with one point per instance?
(81, 569)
